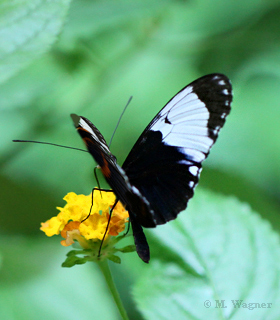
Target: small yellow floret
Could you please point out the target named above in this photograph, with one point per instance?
(69, 222)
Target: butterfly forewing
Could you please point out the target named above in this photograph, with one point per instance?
(165, 163)
(130, 197)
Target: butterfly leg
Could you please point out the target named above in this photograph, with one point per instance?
(142, 247)
(128, 228)
(107, 227)
(106, 190)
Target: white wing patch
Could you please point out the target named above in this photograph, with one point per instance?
(85, 126)
(183, 123)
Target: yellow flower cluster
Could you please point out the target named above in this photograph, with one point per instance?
(72, 224)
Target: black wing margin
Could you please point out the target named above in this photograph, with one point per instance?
(165, 163)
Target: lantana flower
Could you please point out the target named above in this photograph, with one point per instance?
(84, 219)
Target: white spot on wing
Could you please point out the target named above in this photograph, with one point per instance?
(136, 191)
(191, 184)
(216, 130)
(194, 170)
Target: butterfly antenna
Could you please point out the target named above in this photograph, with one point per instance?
(51, 144)
(128, 102)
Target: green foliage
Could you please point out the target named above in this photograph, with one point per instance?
(28, 28)
(81, 256)
(90, 60)
(221, 251)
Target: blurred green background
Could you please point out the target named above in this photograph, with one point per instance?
(88, 57)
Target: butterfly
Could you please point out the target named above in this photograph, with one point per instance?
(160, 173)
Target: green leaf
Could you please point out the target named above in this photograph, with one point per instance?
(71, 261)
(130, 248)
(73, 258)
(27, 29)
(114, 258)
(235, 256)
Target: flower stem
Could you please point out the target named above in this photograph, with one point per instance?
(103, 265)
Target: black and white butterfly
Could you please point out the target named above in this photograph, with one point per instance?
(159, 175)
